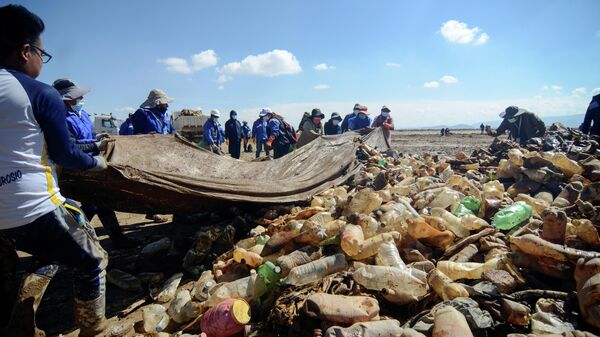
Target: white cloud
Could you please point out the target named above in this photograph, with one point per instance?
(595, 91)
(224, 78)
(459, 32)
(431, 85)
(176, 65)
(205, 59)
(127, 109)
(579, 91)
(323, 67)
(557, 89)
(393, 65)
(274, 63)
(448, 79)
(321, 87)
(221, 87)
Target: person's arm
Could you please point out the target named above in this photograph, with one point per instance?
(139, 121)
(587, 120)
(389, 124)
(50, 114)
(539, 125)
(501, 128)
(208, 139)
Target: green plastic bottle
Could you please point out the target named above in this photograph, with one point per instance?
(468, 205)
(511, 216)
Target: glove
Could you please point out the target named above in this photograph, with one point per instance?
(103, 135)
(101, 164)
(103, 144)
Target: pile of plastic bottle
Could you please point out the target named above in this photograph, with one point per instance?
(483, 245)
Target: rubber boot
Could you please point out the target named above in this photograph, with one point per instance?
(22, 320)
(89, 316)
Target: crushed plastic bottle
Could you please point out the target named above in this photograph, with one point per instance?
(444, 287)
(167, 292)
(178, 311)
(511, 216)
(453, 223)
(467, 270)
(364, 201)
(352, 239)
(247, 288)
(371, 245)
(388, 255)
(240, 255)
(315, 270)
(297, 258)
(449, 322)
(341, 309)
(203, 286)
(155, 318)
(447, 198)
(408, 285)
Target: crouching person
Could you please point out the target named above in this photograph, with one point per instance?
(34, 216)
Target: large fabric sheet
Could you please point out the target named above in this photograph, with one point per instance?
(166, 174)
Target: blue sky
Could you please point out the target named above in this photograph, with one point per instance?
(432, 61)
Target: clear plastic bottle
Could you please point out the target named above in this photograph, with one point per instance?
(515, 157)
(493, 190)
(315, 270)
(472, 222)
(155, 318)
(467, 270)
(444, 287)
(408, 285)
(175, 310)
(449, 322)
(371, 245)
(567, 166)
(388, 255)
(352, 239)
(168, 290)
(447, 198)
(364, 201)
(203, 285)
(369, 225)
(247, 288)
(388, 327)
(511, 216)
(453, 223)
(252, 259)
(341, 309)
(297, 258)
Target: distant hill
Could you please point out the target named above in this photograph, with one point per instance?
(569, 120)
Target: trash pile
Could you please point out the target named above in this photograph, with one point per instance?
(502, 242)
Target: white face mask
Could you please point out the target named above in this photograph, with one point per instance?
(335, 122)
(512, 120)
(385, 114)
(78, 106)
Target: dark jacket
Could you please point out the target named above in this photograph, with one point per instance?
(592, 115)
(527, 126)
(331, 129)
(126, 128)
(233, 130)
(345, 126)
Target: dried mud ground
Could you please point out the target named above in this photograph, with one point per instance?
(55, 312)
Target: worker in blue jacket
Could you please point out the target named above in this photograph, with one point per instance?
(126, 128)
(152, 116)
(361, 120)
(233, 134)
(245, 135)
(277, 139)
(213, 135)
(34, 216)
(259, 132)
(82, 133)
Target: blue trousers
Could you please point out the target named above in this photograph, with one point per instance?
(64, 236)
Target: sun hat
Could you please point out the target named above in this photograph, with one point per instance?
(316, 113)
(385, 109)
(512, 111)
(155, 97)
(215, 112)
(68, 90)
(336, 115)
(264, 112)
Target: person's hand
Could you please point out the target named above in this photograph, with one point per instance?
(103, 135)
(227, 141)
(101, 164)
(253, 140)
(103, 144)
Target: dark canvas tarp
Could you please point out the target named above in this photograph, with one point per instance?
(164, 174)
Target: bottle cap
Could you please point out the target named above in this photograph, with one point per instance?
(240, 311)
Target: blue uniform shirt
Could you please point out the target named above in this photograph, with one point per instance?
(246, 131)
(151, 120)
(213, 133)
(357, 123)
(80, 126)
(126, 129)
(259, 130)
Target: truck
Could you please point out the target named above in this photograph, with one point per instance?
(106, 123)
(189, 123)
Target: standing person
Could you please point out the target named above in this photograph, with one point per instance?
(305, 117)
(355, 110)
(482, 127)
(361, 120)
(82, 132)
(213, 135)
(385, 121)
(278, 139)
(126, 128)
(152, 116)
(34, 215)
(312, 128)
(259, 131)
(522, 124)
(245, 135)
(233, 133)
(332, 126)
(592, 115)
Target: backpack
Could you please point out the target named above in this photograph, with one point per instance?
(287, 130)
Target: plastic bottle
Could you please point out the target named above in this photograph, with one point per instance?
(538, 205)
(472, 222)
(247, 288)
(168, 290)
(241, 255)
(315, 270)
(341, 309)
(453, 223)
(203, 286)
(511, 216)
(352, 239)
(297, 258)
(364, 201)
(371, 245)
(464, 185)
(449, 322)
(226, 319)
(425, 231)
(493, 190)
(388, 255)
(444, 287)
(155, 318)
(369, 225)
(447, 198)
(388, 327)
(176, 311)
(407, 284)
(515, 157)
(467, 270)
(567, 166)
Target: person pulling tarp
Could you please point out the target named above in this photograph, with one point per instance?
(213, 133)
(312, 128)
(522, 124)
(592, 115)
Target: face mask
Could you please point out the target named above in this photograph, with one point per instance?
(385, 114)
(162, 109)
(361, 116)
(216, 119)
(77, 107)
(317, 120)
(335, 122)
(355, 112)
(234, 117)
(265, 118)
(512, 120)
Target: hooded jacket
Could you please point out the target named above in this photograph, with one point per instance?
(526, 126)
(151, 120)
(331, 129)
(233, 129)
(592, 115)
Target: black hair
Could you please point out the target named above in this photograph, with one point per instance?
(18, 26)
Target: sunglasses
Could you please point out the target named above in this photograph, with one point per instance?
(43, 55)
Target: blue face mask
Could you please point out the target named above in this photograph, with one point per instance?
(361, 116)
(77, 107)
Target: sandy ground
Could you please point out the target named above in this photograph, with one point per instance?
(55, 312)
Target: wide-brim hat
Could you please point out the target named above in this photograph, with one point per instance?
(155, 97)
(385, 108)
(317, 113)
(337, 116)
(264, 112)
(512, 111)
(68, 90)
(363, 110)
